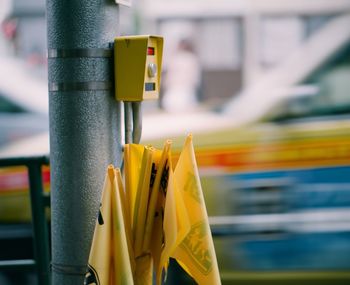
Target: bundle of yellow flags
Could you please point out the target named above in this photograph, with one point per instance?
(160, 213)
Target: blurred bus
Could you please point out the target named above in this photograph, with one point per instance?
(277, 181)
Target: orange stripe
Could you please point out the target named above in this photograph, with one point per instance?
(15, 179)
(288, 155)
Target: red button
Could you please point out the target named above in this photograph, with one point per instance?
(150, 51)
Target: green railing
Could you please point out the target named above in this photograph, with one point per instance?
(39, 201)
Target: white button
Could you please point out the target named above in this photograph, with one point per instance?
(152, 69)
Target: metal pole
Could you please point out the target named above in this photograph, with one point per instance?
(84, 125)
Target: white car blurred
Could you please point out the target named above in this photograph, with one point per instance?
(23, 102)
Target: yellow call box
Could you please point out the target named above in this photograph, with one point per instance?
(137, 63)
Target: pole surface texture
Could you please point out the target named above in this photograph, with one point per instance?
(84, 125)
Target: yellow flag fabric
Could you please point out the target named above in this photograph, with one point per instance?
(109, 262)
(126, 215)
(132, 164)
(141, 201)
(176, 223)
(196, 253)
(154, 238)
(154, 207)
(144, 270)
(144, 176)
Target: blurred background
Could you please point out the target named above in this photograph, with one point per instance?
(264, 87)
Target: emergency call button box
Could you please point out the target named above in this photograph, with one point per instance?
(137, 63)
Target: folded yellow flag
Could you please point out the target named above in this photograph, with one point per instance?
(132, 164)
(109, 262)
(160, 214)
(144, 270)
(196, 253)
(141, 200)
(140, 176)
(176, 223)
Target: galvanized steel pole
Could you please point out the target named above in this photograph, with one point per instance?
(84, 125)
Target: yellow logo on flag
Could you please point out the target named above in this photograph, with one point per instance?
(191, 187)
(195, 246)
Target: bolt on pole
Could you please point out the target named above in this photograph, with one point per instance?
(84, 125)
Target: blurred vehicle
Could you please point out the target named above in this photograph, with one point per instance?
(23, 114)
(23, 102)
(275, 168)
(274, 163)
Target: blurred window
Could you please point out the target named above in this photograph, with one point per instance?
(219, 43)
(280, 36)
(265, 196)
(6, 106)
(262, 200)
(314, 23)
(332, 81)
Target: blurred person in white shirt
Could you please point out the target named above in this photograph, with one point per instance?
(182, 79)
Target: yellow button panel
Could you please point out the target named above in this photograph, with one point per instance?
(138, 62)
